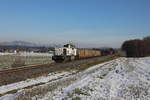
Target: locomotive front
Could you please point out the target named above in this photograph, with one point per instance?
(66, 53)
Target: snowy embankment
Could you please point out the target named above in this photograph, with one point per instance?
(35, 81)
(123, 79)
(120, 79)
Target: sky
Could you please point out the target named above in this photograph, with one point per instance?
(89, 23)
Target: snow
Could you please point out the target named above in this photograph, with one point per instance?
(35, 54)
(2, 54)
(120, 79)
(26, 54)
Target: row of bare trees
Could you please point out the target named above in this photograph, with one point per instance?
(137, 47)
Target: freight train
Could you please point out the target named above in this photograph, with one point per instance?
(69, 53)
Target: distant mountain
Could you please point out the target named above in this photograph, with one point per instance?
(18, 43)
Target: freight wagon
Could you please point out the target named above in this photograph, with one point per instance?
(69, 53)
(84, 53)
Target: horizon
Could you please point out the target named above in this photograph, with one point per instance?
(95, 23)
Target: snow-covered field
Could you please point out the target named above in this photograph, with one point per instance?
(26, 54)
(2, 54)
(120, 79)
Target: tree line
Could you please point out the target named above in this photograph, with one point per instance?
(137, 47)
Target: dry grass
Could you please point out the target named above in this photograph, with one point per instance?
(6, 61)
(18, 62)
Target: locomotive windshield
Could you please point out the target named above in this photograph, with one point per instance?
(69, 46)
(65, 52)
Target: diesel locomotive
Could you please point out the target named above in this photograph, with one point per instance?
(69, 52)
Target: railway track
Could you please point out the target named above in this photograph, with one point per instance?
(22, 73)
(12, 70)
(6, 71)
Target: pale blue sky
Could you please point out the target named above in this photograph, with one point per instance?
(88, 22)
